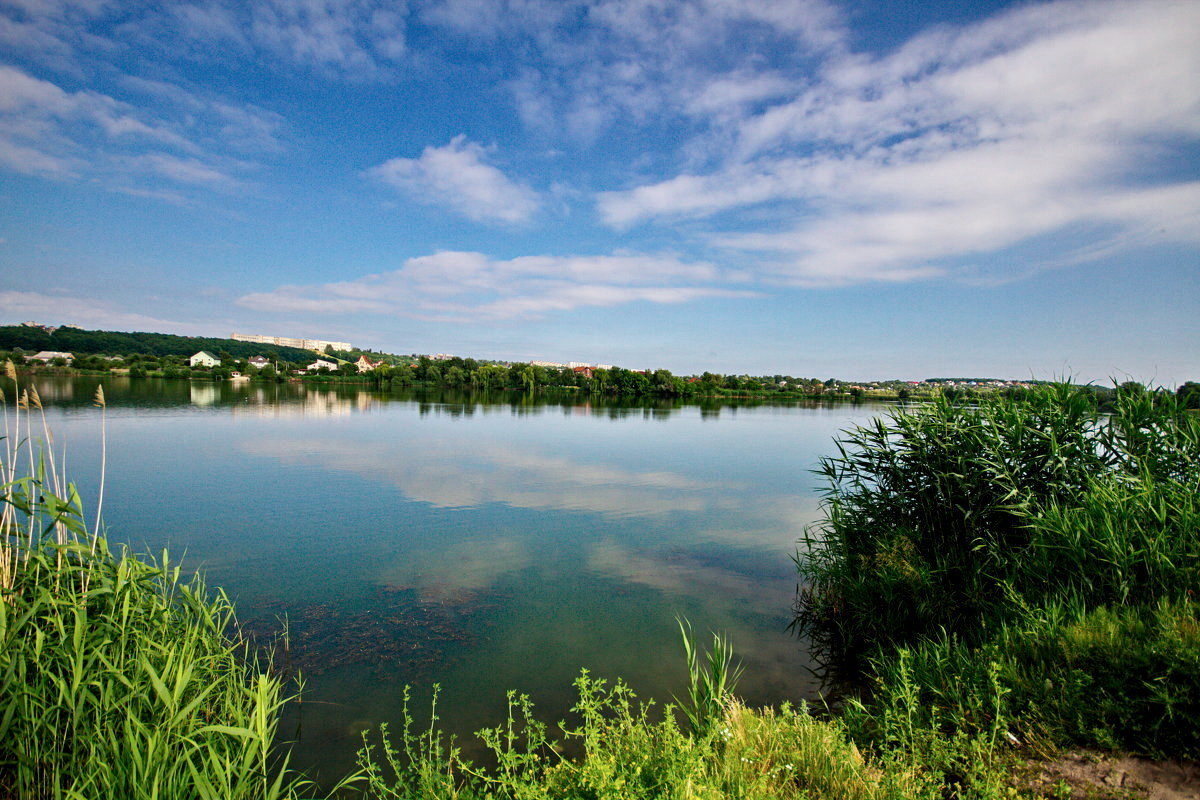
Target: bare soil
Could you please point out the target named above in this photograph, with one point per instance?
(1090, 776)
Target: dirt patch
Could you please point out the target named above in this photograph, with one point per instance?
(1090, 776)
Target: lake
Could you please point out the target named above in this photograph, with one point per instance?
(484, 544)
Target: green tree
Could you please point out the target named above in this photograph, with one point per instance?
(402, 375)
(1189, 394)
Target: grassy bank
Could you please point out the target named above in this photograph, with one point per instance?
(1016, 577)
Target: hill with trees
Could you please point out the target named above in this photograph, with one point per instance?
(32, 338)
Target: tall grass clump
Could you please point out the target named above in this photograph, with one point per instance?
(948, 518)
(118, 678)
(711, 683)
(1018, 572)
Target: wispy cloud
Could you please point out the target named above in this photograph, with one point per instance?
(458, 176)
(463, 286)
(579, 68)
(354, 39)
(179, 140)
(357, 38)
(963, 142)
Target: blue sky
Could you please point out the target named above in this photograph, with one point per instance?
(822, 189)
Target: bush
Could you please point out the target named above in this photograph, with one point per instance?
(950, 518)
(1019, 572)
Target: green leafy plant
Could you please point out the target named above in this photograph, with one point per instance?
(711, 680)
(118, 678)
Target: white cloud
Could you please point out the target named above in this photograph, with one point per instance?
(242, 128)
(963, 142)
(171, 140)
(353, 39)
(464, 286)
(584, 66)
(38, 102)
(31, 161)
(357, 38)
(457, 176)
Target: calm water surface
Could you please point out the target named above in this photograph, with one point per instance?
(482, 545)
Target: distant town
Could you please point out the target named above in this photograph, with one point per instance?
(242, 357)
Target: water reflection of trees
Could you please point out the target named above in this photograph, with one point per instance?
(295, 398)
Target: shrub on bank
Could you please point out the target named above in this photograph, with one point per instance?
(630, 752)
(946, 518)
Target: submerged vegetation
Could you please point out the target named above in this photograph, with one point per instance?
(992, 583)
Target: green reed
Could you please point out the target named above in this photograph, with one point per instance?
(118, 678)
(949, 518)
(1015, 575)
(711, 681)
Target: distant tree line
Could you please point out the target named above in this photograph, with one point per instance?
(78, 341)
(166, 355)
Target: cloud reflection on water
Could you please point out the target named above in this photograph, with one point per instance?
(472, 474)
(468, 471)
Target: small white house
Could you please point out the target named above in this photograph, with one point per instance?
(321, 363)
(204, 359)
(46, 356)
(258, 362)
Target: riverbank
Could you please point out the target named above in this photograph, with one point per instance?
(936, 717)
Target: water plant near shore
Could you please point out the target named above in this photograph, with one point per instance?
(118, 678)
(1015, 573)
(631, 749)
(951, 518)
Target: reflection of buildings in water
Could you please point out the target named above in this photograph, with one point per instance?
(306, 402)
(203, 394)
(56, 391)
